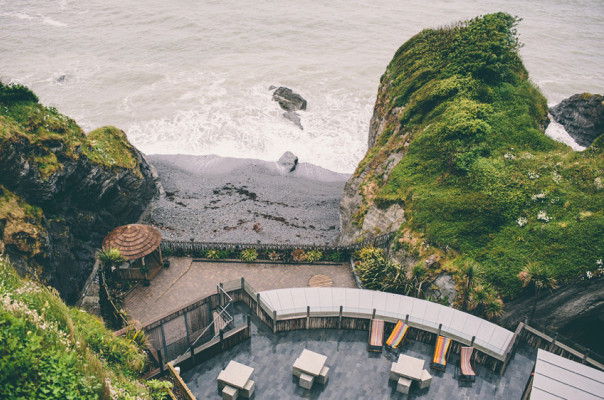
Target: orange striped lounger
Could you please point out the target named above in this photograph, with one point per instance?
(467, 372)
(441, 353)
(397, 335)
(376, 335)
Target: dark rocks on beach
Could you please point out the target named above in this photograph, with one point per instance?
(582, 115)
(288, 161)
(290, 102)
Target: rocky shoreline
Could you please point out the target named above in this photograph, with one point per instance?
(223, 199)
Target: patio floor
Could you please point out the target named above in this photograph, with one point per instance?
(187, 280)
(354, 372)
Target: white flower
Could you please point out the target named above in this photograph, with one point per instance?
(521, 221)
(533, 175)
(508, 156)
(589, 274)
(598, 182)
(539, 196)
(542, 216)
(556, 176)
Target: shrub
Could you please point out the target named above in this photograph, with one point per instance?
(212, 254)
(159, 389)
(274, 256)
(249, 255)
(13, 93)
(298, 255)
(313, 255)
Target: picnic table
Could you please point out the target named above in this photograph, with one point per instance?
(408, 369)
(235, 380)
(310, 366)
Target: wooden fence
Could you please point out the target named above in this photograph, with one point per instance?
(199, 248)
(540, 340)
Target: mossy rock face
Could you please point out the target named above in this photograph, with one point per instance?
(82, 185)
(21, 225)
(477, 177)
(108, 146)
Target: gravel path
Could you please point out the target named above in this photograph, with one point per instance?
(218, 199)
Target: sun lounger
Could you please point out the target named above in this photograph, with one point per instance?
(376, 335)
(441, 353)
(465, 366)
(397, 335)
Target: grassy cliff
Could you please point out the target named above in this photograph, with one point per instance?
(478, 179)
(55, 136)
(51, 351)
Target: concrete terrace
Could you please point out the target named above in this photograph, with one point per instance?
(187, 280)
(354, 372)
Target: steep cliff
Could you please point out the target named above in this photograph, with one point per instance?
(61, 191)
(459, 166)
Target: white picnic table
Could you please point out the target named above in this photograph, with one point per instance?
(236, 374)
(310, 362)
(408, 367)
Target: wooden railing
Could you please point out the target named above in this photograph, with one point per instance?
(198, 248)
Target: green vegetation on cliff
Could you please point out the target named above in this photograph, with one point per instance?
(51, 351)
(479, 179)
(54, 136)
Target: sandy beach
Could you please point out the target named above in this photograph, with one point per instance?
(221, 199)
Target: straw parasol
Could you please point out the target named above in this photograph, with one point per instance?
(133, 241)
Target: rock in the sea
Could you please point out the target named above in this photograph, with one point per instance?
(288, 100)
(288, 161)
(582, 115)
(293, 117)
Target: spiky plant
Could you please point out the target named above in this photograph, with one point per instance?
(539, 277)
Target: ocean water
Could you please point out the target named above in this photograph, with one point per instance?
(192, 76)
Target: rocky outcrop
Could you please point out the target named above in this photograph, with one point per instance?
(67, 191)
(290, 102)
(288, 161)
(582, 116)
(288, 99)
(574, 310)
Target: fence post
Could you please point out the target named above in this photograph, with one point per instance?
(242, 283)
(439, 328)
(373, 314)
(340, 319)
(553, 344)
(258, 304)
(275, 321)
(163, 338)
(584, 361)
(407, 319)
(307, 317)
(160, 358)
(472, 342)
(187, 329)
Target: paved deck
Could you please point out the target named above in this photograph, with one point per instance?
(354, 372)
(187, 280)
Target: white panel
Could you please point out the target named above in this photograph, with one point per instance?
(392, 304)
(312, 297)
(472, 326)
(445, 315)
(458, 321)
(366, 300)
(339, 297)
(379, 301)
(352, 299)
(431, 312)
(326, 299)
(285, 300)
(485, 331)
(299, 298)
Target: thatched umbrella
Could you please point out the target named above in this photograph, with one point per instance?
(133, 241)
